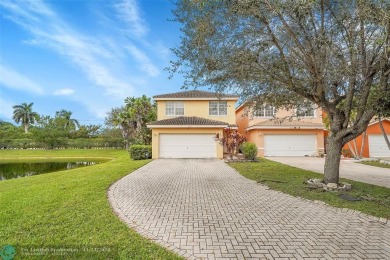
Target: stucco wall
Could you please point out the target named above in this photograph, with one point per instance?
(372, 129)
(257, 136)
(157, 131)
(245, 118)
(199, 108)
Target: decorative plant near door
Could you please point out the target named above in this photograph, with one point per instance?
(231, 140)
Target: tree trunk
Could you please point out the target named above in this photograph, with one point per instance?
(332, 160)
(26, 128)
(383, 132)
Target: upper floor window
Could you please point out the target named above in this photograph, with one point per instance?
(306, 112)
(174, 108)
(217, 108)
(265, 111)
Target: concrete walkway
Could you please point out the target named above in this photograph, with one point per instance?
(203, 209)
(348, 169)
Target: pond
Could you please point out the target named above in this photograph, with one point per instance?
(23, 169)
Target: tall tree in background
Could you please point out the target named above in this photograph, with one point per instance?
(25, 115)
(132, 119)
(123, 121)
(141, 111)
(333, 53)
(67, 120)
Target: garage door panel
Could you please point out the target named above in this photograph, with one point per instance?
(378, 146)
(290, 145)
(187, 146)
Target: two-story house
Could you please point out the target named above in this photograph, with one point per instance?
(188, 121)
(282, 132)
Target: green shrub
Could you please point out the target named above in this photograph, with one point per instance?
(140, 152)
(249, 150)
(62, 143)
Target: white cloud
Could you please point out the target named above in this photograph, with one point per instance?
(107, 60)
(15, 80)
(89, 54)
(145, 63)
(64, 92)
(128, 11)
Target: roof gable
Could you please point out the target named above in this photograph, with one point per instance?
(376, 121)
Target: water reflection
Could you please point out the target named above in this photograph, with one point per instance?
(17, 170)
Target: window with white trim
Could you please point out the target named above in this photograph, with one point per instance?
(264, 111)
(174, 108)
(306, 112)
(217, 108)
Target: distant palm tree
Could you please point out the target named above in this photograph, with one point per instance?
(68, 120)
(123, 120)
(23, 114)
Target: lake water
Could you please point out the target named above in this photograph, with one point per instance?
(17, 170)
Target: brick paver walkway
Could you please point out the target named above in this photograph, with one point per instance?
(203, 209)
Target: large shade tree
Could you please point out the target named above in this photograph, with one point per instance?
(332, 53)
(25, 115)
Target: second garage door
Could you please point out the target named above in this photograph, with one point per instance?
(187, 146)
(378, 146)
(290, 145)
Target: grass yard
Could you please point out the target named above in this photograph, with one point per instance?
(375, 200)
(377, 164)
(70, 210)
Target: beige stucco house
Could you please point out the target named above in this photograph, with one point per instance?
(282, 132)
(188, 121)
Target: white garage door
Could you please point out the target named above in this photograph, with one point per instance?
(188, 146)
(290, 145)
(378, 147)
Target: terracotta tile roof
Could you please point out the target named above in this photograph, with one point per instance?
(287, 123)
(195, 94)
(184, 120)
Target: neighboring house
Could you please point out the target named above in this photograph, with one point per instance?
(188, 121)
(375, 144)
(281, 132)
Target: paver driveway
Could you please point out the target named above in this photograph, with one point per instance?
(205, 209)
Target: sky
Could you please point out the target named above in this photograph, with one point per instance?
(85, 56)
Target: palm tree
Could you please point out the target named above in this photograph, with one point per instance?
(23, 114)
(68, 120)
(123, 120)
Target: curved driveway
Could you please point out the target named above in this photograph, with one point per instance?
(203, 209)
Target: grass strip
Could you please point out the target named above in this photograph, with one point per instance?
(69, 210)
(377, 164)
(375, 199)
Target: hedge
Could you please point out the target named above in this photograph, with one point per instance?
(140, 152)
(62, 143)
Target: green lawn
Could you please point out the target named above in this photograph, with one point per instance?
(377, 164)
(375, 200)
(69, 209)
